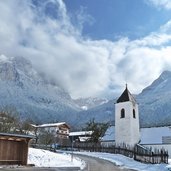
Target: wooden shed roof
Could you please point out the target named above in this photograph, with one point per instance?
(15, 137)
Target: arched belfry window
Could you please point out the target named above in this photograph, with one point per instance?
(122, 113)
(134, 113)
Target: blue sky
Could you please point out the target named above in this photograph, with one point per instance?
(112, 19)
(90, 47)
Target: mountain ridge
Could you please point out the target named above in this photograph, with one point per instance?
(33, 97)
(154, 105)
(42, 100)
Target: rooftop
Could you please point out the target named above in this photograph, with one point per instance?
(153, 135)
(80, 133)
(50, 125)
(2, 134)
(126, 96)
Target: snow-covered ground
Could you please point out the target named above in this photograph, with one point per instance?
(125, 162)
(44, 158)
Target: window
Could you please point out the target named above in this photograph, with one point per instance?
(134, 113)
(122, 113)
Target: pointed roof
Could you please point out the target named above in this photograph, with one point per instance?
(126, 96)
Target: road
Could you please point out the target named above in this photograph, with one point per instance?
(95, 164)
(92, 164)
(40, 169)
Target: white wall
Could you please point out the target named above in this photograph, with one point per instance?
(126, 129)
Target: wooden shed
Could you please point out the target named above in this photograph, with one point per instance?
(14, 148)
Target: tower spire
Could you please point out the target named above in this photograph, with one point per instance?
(126, 96)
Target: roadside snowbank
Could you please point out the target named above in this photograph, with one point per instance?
(44, 158)
(125, 162)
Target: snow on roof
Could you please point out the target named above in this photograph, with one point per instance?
(50, 125)
(154, 135)
(83, 139)
(109, 134)
(80, 133)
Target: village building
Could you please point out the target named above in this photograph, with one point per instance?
(157, 138)
(59, 130)
(14, 148)
(127, 130)
(109, 138)
(80, 136)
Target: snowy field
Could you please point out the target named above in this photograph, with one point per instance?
(44, 158)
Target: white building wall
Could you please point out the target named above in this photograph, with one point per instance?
(126, 129)
(135, 128)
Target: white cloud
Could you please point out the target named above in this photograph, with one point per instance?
(166, 4)
(84, 67)
(166, 28)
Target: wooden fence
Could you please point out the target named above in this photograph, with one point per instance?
(139, 153)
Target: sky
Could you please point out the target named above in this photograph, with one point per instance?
(90, 48)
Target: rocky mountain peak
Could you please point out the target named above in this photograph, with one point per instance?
(165, 75)
(23, 88)
(161, 84)
(17, 70)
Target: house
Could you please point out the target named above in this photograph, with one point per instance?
(14, 148)
(80, 136)
(157, 138)
(59, 130)
(154, 137)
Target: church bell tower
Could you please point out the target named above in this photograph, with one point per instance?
(127, 129)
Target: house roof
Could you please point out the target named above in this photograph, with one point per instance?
(154, 135)
(51, 125)
(126, 96)
(80, 133)
(83, 139)
(109, 134)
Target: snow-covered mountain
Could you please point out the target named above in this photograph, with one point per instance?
(33, 96)
(101, 113)
(154, 105)
(155, 102)
(88, 103)
(160, 85)
(24, 89)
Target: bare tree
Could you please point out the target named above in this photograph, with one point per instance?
(46, 137)
(98, 129)
(10, 122)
